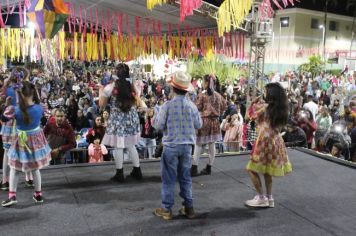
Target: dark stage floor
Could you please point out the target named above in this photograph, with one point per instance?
(318, 198)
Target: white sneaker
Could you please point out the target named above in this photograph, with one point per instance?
(257, 202)
(271, 202)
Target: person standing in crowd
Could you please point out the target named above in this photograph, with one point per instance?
(30, 151)
(60, 136)
(233, 133)
(307, 123)
(123, 130)
(148, 133)
(211, 106)
(324, 122)
(311, 106)
(178, 119)
(269, 156)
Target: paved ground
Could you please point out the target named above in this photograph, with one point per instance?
(318, 198)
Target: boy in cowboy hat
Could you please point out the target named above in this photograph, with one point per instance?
(178, 119)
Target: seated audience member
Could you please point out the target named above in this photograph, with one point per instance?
(295, 136)
(60, 136)
(336, 150)
(338, 134)
(81, 121)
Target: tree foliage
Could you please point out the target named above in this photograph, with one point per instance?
(314, 65)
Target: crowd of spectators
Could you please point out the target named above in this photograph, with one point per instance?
(322, 112)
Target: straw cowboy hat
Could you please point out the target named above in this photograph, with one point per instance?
(181, 81)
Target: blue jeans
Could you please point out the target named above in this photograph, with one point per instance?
(176, 162)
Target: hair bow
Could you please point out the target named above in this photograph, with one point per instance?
(19, 75)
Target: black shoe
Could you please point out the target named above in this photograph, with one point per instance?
(136, 173)
(5, 186)
(206, 171)
(187, 212)
(38, 198)
(9, 202)
(194, 170)
(29, 183)
(119, 176)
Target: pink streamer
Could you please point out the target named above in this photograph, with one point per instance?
(81, 19)
(270, 11)
(91, 21)
(187, 7)
(119, 24)
(97, 20)
(69, 19)
(20, 14)
(137, 27)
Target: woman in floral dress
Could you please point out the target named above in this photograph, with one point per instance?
(211, 106)
(123, 128)
(269, 154)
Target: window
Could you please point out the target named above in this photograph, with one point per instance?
(284, 21)
(333, 26)
(314, 24)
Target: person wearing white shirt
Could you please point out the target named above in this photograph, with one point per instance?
(311, 106)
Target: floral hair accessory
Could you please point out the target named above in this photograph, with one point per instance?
(133, 94)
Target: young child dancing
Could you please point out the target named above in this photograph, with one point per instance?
(178, 119)
(8, 128)
(30, 150)
(269, 154)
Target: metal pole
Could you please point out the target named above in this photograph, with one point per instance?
(324, 40)
(279, 42)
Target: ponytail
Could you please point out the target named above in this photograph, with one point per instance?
(27, 90)
(23, 108)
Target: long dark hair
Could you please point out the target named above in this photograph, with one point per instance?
(124, 88)
(27, 90)
(277, 110)
(208, 79)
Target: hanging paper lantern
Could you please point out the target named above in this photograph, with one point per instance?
(48, 16)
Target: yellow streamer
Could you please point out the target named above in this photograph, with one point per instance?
(62, 45)
(152, 3)
(231, 14)
(75, 45)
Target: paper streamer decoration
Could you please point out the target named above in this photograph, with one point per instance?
(187, 7)
(266, 7)
(152, 3)
(231, 14)
(48, 16)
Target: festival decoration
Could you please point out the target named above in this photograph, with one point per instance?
(152, 3)
(48, 16)
(231, 14)
(19, 44)
(186, 6)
